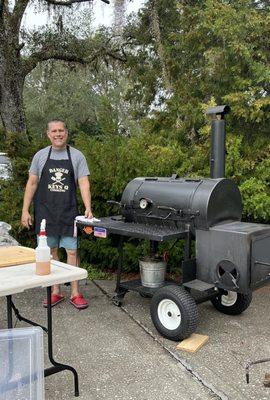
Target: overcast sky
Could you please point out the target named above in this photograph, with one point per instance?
(103, 13)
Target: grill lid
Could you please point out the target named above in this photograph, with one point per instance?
(162, 200)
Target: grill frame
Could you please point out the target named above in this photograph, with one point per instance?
(201, 205)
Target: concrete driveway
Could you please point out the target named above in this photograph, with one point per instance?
(119, 354)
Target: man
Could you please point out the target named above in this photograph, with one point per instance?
(53, 176)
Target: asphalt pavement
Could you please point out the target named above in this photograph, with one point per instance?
(119, 355)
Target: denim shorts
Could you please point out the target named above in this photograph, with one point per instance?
(67, 242)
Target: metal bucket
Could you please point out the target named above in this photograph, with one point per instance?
(152, 272)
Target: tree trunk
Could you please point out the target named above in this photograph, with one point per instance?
(11, 90)
(11, 77)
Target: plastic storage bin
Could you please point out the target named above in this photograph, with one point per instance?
(21, 364)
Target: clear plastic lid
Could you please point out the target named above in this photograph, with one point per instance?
(21, 364)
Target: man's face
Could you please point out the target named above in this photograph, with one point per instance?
(58, 135)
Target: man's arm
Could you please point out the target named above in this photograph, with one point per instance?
(84, 186)
(30, 190)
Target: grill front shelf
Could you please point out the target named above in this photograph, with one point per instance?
(116, 225)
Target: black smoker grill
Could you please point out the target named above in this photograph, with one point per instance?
(232, 257)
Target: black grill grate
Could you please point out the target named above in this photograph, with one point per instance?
(116, 225)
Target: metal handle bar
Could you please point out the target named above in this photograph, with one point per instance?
(150, 215)
(167, 208)
(116, 203)
(190, 213)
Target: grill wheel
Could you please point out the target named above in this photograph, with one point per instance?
(174, 312)
(232, 303)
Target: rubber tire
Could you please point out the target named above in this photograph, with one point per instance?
(145, 296)
(242, 303)
(187, 307)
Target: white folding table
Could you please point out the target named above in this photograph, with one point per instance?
(17, 279)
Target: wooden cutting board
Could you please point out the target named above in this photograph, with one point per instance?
(15, 255)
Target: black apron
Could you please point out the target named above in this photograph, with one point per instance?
(55, 198)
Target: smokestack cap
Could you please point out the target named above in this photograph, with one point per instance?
(218, 110)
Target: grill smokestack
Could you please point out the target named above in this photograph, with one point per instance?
(218, 150)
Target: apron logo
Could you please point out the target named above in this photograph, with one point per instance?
(58, 178)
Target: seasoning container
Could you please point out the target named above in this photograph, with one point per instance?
(43, 252)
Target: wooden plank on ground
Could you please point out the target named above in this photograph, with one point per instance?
(15, 255)
(193, 343)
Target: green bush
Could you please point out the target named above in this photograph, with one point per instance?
(115, 160)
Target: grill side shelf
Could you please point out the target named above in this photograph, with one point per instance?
(116, 226)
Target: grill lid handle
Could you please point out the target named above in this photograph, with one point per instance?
(116, 203)
(167, 208)
(190, 213)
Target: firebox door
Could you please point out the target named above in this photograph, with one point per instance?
(260, 260)
(234, 256)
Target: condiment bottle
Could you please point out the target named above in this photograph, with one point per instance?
(43, 252)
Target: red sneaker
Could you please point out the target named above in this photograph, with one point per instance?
(79, 301)
(55, 299)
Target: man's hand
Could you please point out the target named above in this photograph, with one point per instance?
(26, 219)
(84, 186)
(88, 213)
(30, 190)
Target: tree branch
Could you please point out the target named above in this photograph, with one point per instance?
(31, 62)
(68, 3)
(68, 56)
(18, 12)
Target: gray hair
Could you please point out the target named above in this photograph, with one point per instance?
(54, 121)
